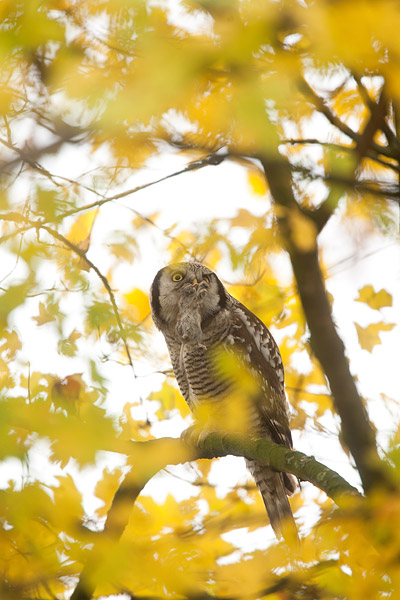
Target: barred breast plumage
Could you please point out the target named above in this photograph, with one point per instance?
(202, 323)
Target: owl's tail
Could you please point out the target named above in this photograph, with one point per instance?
(274, 488)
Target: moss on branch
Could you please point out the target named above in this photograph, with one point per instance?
(279, 458)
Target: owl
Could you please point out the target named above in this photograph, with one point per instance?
(203, 325)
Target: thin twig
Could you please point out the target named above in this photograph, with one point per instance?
(212, 159)
(340, 148)
(334, 120)
(82, 254)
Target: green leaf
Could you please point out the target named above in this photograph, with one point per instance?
(100, 315)
(68, 346)
(13, 297)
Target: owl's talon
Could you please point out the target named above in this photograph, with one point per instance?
(194, 435)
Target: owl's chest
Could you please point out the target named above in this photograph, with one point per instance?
(206, 379)
(196, 368)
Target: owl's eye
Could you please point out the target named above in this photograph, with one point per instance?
(177, 277)
(206, 278)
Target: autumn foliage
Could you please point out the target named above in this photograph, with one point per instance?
(288, 113)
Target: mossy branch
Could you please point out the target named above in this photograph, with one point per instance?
(280, 458)
(150, 457)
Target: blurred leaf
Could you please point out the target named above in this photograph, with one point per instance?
(304, 230)
(87, 431)
(68, 346)
(10, 343)
(67, 390)
(138, 303)
(370, 336)
(374, 299)
(81, 230)
(257, 182)
(45, 316)
(13, 296)
(170, 400)
(100, 316)
(47, 203)
(106, 488)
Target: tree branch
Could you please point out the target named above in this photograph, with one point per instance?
(372, 105)
(150, 457)
(210, 160)
(327, 346)
(321, 107)
(66, 134)
(279, 458)
(38, 225)
(338, 148)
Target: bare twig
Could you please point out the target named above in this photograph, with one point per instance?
(38, 225)
(212, 159)
(339, 148)
(30, 155)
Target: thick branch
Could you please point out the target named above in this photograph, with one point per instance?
(323, 108)
(371, 104)
(328, 347)
(151, 456)
(280, 458)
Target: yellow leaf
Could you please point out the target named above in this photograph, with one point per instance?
(10, 343)
(374, 299)
(138, 303)
(44, 315)
(68, 345)
(122, 251)
(304, 231)
(245, 218)
(67, 506)
(370, 336)
(133, 429)
(170, 399)
(106, 488)
(80, 232)
(257, 182)
(213, 257)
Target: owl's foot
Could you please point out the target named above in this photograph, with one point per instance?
(195, 434)
(207, 439)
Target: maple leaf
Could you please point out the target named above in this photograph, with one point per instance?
(376, 300)
(370, 336)
(44, 316)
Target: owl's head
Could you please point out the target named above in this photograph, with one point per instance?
(186, 280)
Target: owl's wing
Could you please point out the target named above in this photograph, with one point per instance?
(260, 352)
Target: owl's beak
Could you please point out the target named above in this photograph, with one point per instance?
(195, 282)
